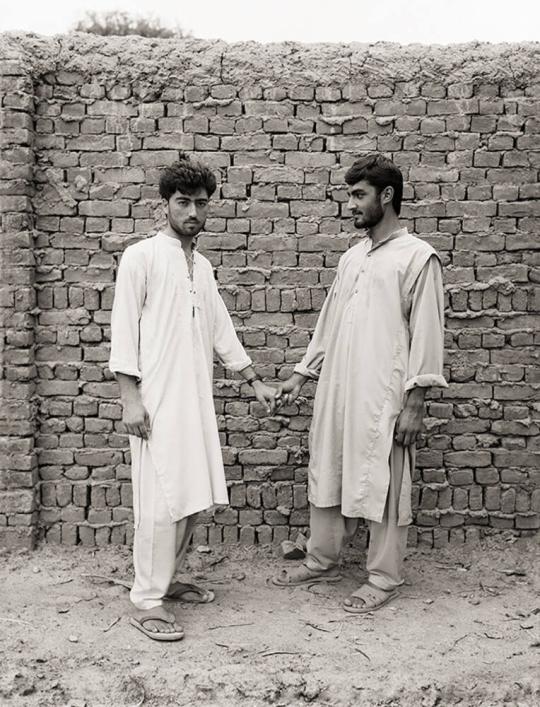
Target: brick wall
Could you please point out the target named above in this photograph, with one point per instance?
(18, 461)
(87, 123)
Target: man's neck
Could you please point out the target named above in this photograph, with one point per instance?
(387, 225)
(187, 242)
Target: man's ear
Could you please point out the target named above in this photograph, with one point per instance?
(387, 195)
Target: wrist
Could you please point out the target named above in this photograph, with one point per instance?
(254, 379)
(415, 398)
(298, 379)
(131, 397)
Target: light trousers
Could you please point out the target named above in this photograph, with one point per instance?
(159, 544)
(330, 531)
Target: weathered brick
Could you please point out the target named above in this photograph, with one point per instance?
(468, 459)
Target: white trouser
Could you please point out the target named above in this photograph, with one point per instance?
(159, 544)
(387, 540)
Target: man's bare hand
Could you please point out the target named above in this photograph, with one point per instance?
(266, 395)
(411, 419)
(136, 419)
(289, 390)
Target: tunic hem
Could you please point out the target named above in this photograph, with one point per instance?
(348, 513)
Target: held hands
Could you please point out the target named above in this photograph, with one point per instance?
(136, 419)
(288, 391)
(266, 395)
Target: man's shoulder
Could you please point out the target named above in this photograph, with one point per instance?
(139, 248)
(415, 246)
(136, 258)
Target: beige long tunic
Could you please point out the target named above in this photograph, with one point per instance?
(379, 334)
(164, 331)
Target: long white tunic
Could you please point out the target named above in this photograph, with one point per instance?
(379, 334)
(164, 330)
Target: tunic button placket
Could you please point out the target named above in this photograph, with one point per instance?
(191, 282)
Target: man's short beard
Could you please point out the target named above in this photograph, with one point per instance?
(181, 232)
(371, 217)
(187, 234)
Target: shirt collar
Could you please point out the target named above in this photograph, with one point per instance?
(175, 242)
(390, 237)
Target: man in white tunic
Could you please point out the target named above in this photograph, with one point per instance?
(376, 350)
(167, 320)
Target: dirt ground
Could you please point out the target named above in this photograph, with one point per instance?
(465, 630)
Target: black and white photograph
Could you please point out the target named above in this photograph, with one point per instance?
(269, 391)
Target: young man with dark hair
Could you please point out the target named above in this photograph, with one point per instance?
(376, 349)
(167, 320)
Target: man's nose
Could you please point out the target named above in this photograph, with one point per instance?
(350, 204)
(192, 209)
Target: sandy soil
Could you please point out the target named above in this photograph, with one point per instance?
(465, 630)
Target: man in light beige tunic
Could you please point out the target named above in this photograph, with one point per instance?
(376, 349)
(167, 320)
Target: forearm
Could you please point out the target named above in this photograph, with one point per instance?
(298, 379)
(135, 417)
(248, 373)
(415, 398)
(129, 389)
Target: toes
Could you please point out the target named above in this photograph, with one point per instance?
(196, 597)
(354, 604)
(162, 627)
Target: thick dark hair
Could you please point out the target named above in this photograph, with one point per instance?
(380, 172)
(186, 176)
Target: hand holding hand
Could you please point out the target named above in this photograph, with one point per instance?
(266, 395)
(289, 390)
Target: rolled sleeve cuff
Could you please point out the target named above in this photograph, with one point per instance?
(125, 368)
(238, 365)
(305, 371)
(426, 380)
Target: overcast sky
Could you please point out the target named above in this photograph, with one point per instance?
(404, 21)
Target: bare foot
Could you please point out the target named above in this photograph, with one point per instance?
(368, 597)
(157, 623)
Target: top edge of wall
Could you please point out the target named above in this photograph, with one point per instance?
(189, 61)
